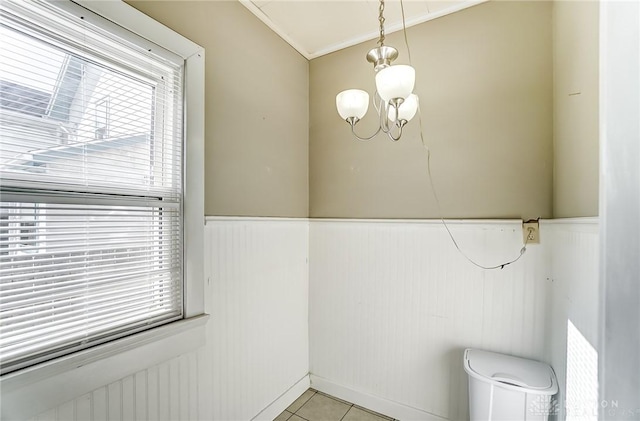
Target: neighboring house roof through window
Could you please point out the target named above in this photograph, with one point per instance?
(23, 99)
(51, 85)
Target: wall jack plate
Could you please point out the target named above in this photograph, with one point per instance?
(531, 232)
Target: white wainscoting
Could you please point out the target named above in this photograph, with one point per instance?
(393, 305)
(389, 307)
(173, 390)
(258, 302)
(573, 249)
(256, 358)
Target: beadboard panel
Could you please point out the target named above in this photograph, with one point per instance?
(393, 305)
(256, 353)
(390, 307)
(172, 390)
(573, 250)
(258, 276)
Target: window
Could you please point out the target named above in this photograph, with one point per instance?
(91, 168)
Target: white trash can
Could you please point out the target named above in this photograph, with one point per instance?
(503, 387)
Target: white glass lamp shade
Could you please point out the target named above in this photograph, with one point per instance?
(407, 109)
(395, 81)
(352, 103)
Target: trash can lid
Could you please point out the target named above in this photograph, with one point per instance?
(510, 370)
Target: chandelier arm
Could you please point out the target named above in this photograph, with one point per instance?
(377, 106)
(395, 105)
(363, 139)
(395, 139)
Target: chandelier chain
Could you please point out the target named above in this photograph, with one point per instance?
(381, 20)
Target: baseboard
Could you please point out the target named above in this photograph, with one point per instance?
(281, 403)
(386, 407)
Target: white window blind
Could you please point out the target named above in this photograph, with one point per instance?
(90, 181)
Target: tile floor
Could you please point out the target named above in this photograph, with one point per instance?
(317, 406)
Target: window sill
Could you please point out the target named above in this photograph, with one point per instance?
(33, 390)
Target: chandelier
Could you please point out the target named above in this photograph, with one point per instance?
(393, 100)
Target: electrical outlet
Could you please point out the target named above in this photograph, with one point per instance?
(531, 232)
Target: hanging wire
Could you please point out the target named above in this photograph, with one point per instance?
(433, 188)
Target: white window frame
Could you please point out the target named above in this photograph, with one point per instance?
(33, 390)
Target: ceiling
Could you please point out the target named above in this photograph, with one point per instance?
(319, 27)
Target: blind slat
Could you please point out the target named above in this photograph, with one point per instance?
(143, 296)
(35, 285)
(93, 326)
(90, 257)
(87, 273)
(70, 302)
(76, 323)
(49, 320)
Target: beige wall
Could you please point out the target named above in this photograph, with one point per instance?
(575, 54)
(257, 97)
(275, 145)
(484, 76)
